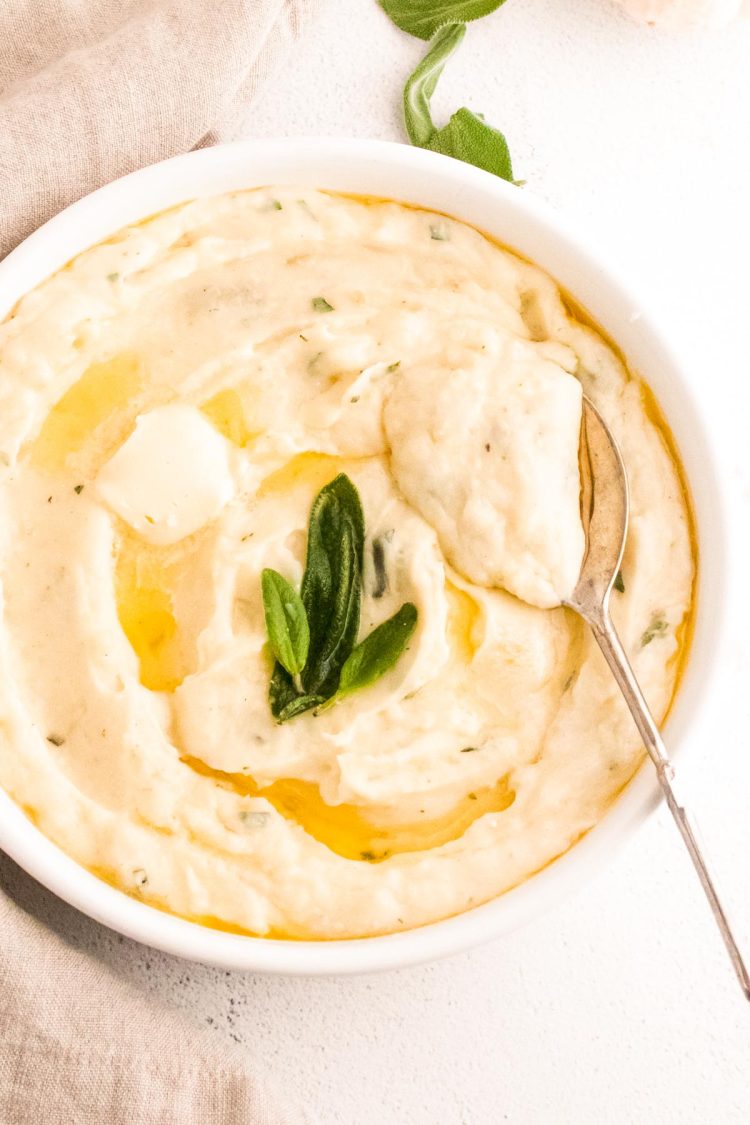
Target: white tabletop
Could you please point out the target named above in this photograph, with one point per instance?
(618, 1007)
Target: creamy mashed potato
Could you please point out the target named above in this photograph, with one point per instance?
(170, 404)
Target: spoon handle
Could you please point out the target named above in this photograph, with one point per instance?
(614, 654)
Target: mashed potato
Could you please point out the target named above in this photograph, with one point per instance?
(170, 404)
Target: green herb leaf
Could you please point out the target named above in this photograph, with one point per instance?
(281, 691)
(321, 305)
(619, 583)
(423, 17)
(420, 86)
(298, 705)
(378, 652)
(286, 622)
(467, 136)
(332, 583)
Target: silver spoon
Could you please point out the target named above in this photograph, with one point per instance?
(604, 509)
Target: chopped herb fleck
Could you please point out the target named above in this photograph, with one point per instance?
(393, 366)
(306, 207)
(657, 628)
(257, 818)
(440, 232)
(113, 276)
(472, 796)
(470, 749)
(569, 681)
(273, 205)
(303, 337)
(321, 305)
(378, 561)
(369, 856)
(487, 447)
(354, 398)
(619, 584)
(78, 489)
(313, 360)
(55, 740)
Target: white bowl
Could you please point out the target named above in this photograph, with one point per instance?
(517, 219)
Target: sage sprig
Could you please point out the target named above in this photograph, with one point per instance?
(313, 634)
(466, 136)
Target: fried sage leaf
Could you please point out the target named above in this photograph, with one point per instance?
(332, 583)
(378, 652)
(286, 621)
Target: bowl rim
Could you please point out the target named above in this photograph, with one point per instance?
(419, 177)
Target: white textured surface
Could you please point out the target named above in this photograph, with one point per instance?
(619, 1007)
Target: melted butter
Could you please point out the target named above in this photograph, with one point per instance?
(153, 594)
(309, 470)
(685, 630)
(98, 411)
(114, 879)
(227, 413)
(463, 618)
(350, 832)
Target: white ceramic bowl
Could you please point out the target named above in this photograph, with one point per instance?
(520, 221)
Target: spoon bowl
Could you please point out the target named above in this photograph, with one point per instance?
(605, 503)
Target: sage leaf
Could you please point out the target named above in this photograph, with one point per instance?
(332, 583)
(286, 621)
(281, 691)
(298, 706)
(466, 136)
(424, 17)
(378, 652)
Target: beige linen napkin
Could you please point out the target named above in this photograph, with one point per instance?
(81, 1046)
(89, 90)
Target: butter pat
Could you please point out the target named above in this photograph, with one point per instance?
(170, 477)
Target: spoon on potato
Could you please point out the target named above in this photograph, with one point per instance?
(604, 512)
